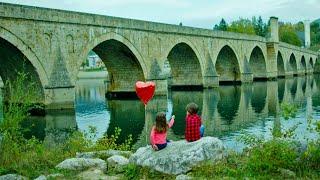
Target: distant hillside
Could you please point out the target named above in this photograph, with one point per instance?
(316, 21)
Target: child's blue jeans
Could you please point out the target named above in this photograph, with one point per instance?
(201, 130)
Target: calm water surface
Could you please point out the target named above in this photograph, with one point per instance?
(226, 111)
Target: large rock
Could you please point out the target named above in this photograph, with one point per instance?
(50, 176)
(117, 162)
(80, 164)
(12, 177)
(106, 153)
(97, 174)
(179, 157)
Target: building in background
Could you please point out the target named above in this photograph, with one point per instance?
(93, 61)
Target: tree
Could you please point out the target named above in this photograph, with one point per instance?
(242, 26)
(260, 28)
(223, 26)
(288, 34)
(315, 36)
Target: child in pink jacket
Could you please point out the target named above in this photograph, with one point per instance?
(158, 135)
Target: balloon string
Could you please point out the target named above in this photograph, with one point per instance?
(146, 121)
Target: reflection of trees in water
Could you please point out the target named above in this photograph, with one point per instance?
(304, 85)
(293, 88)
(281, 89)
(259, 95)
(129, 116)
(316, 95)
(228, 104)
(34, 126)
(1, 105)
(180, 100)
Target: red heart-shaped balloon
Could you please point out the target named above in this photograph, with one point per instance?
(145, 91)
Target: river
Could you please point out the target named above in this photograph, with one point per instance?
(227, 111)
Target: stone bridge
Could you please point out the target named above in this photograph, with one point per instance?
(51, 45)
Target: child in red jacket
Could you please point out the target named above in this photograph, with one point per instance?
(194, 128)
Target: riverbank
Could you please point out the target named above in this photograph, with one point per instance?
(93, 75)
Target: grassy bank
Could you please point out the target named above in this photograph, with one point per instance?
(275, 158)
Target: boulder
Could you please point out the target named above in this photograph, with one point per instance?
(80, 164)
(96, 174)
(41, 177)
(179, 157)
(12, 177)
(183, 177)
(106, 153)
(50, 176)
(117, 162)
(55, 176)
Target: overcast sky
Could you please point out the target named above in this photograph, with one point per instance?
(197, 13)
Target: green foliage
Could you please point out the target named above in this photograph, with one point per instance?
(31, 157)
(288, 110)
(254, 26)
(110, 142)
(132, 171)
(250, 139)
(260, 28)
(315, 36)
(223, 26)
(137, 172)
(271, 156)
(242, 26)
(288, 34)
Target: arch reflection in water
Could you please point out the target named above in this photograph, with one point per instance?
(1, 105)
(316, 95)
(91, 107)
(293, 88)
(281, 89)
(259, 95)
(129, 116)
(59, 126)
(180, 99)
(228, 104)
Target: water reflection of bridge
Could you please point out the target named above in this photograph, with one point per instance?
(229, 109)
(224, 110)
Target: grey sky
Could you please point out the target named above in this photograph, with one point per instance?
(197, 13)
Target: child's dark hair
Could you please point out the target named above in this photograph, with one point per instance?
(192, 108)
(161, 122)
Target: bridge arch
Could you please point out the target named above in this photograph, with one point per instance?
(293, 64)
(257, 63)
(280, 65)
(303, 64)
(311, 63)
(124, 62)
(185, 63)
(27, 52)
(227, 65)
(16, 57)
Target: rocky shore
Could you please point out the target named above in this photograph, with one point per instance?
(177, 159)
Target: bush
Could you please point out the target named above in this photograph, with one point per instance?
(272, 155)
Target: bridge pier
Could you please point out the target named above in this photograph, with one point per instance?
(161, 86)
(59, 97)
(210, 81)
(246, 77)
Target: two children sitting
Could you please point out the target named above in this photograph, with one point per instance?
(193, 132)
